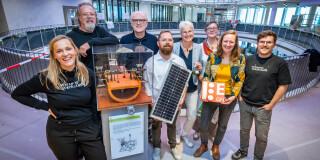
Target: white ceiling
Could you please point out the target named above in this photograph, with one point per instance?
(221, 2)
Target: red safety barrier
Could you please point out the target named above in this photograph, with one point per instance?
(21, 63)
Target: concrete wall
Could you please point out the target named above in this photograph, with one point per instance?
(31, 13)
(3, 21)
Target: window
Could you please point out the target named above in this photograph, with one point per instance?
(115, 11)
(242, 15)
(290, 12)
(269, 17)
(316, 19)
(278, 18)
(305, 11)
(250, 15)
(259, 16)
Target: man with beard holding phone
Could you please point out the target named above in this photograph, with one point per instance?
(156, 68)
(88, 34)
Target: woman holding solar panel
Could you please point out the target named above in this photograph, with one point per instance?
(191, 53)
(226, 65)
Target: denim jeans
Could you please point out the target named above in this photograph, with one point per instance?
(207, 112)
(191, 104)
(262, 119)
(171, 133)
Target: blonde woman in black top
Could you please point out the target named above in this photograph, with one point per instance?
(72, 124)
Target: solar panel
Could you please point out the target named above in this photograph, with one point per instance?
(171, 92)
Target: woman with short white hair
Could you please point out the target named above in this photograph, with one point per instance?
(191, 53)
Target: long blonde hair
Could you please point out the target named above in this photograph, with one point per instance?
(54, 71)
(235, 53)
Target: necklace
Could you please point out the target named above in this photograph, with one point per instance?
(186, 49)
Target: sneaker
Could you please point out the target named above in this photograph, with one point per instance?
(187, 141)
(156, 154)
(177, 139)
(176, 154)
(239, 155)
(196, 136)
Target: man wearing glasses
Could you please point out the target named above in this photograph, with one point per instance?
(88, 34)
(267, 80)
(139, 23)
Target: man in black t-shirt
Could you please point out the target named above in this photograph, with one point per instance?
(267, 80)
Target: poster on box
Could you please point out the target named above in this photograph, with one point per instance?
(212, 91)
(126, 135)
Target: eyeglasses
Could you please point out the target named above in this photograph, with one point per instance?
(187, 32)
(212, 29)
(265, 42)
(88, 15)
(138, 20)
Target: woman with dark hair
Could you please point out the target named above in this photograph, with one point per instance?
(224, 66)
(73, 121)
(209, 45)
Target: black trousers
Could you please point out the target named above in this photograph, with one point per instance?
(66, 144)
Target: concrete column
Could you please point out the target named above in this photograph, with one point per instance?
(266, 16)
(3, 21)
(273, 13)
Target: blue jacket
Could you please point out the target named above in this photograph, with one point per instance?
(149, 40)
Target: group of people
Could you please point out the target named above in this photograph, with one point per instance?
(73, 128)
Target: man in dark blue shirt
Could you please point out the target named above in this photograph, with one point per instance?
(139, 23)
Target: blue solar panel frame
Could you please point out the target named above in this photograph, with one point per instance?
(172, 89)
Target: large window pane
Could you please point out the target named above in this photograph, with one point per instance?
(109, 10)
(305, 11)
(316, 19)
(269, 17)
(242, 15)
(123, 10)
(115, 11)
(290, 12)
(259, 15)
(277, 20)
(250, 15)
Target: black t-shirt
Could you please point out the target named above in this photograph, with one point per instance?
(263, 76)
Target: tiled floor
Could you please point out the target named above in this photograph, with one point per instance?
(294, 133)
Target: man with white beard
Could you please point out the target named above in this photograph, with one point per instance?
(88, 34)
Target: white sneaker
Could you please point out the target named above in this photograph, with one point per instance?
(176, 154)
(187, 141)
(178, 139)
(156, 154)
